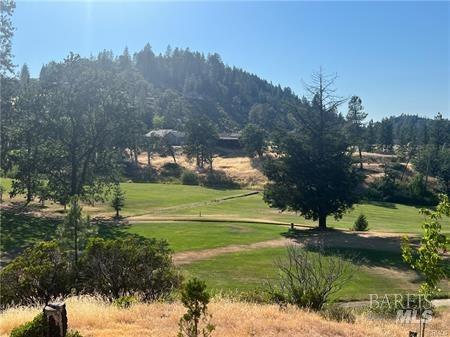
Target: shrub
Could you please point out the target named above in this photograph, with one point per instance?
(171, 170)
(39, 274)
(118, 200)
(125, 302)
(338, 313)
(189, 178)
(130, 266)
(307, 279)
(35, 328)
(218, 179)
(195, 298)
(73, 333)
(361, 224)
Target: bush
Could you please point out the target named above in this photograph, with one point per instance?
(189, 178)
(195, 298)
(361, 224)
(130, 266)
(218, 179)
(73, 333)
(338, 313)
(39, 274)
(35, 328)
(307, 279)
(171, 170)
(125, 302)
(387, 189)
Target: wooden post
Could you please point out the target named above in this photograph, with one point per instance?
(292, 226)
(56, 317)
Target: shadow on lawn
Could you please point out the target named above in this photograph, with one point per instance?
(361, 247)
(20, 229)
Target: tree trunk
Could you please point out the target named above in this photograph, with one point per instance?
(117, 213)
(322, 221)
(360, 158)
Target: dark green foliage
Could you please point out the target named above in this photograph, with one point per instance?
(195, 298)
(74, 232)
(125, 302)
(361, 223)
(254, 140)
(313, 172)
(39, 274)
(338, 313)
(189, 178)
(171, 170)
(429, 258)
(73, 333)
(118, 199)
(218, 179)
(130, 266)
(355, 127)
(201, 140)
(390, 189)
(6, 31)
(307, 279)
(35, 328)
(386, 135)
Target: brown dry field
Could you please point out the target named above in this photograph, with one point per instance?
(242, 170)
(95, 318)
(247, 172)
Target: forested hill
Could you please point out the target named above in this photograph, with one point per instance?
(181, 83)
(229, 95)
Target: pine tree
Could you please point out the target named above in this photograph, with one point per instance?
(75, 230)
(118, 199)
(7, 8)
(355, 118)
(312, 171)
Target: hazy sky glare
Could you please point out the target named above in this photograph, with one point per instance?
(395, 55)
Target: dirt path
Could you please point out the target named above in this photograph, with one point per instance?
(334, 239)
(197, 255)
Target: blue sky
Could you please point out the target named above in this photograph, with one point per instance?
(395, 55)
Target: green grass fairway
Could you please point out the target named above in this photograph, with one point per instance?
(381, 216)
(143, 198)
(248, 270)
(184, 236)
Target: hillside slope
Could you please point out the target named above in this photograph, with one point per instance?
(232, 319)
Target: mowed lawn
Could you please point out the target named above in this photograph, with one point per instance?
(382, 216)
(183, 236)
(173, 200)
(250, 270)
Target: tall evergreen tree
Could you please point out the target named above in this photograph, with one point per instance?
(312, 172)
(7, 8)
(355, 118)
(75, 230)
(386, 134)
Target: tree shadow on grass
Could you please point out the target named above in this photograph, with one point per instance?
(20, 230)
(384, 204)
(362, 247)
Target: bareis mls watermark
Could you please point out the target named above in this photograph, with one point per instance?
(409, 308)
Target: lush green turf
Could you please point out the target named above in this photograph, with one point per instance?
(381, 216)
(19, 231)
(144, 197)
(179, 200)
(250, 269)
(203, 235)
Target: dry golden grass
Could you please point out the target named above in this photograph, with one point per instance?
(96, 318)
(242, 170)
